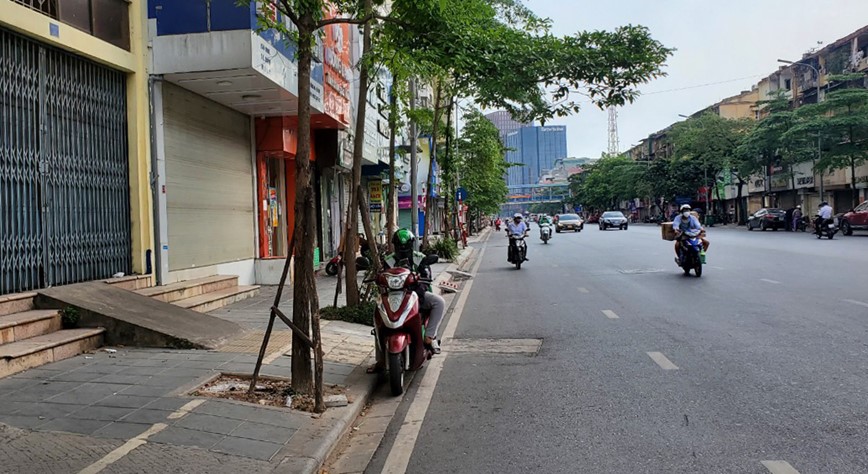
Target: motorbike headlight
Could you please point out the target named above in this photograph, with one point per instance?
(395, 299)
(396, 282)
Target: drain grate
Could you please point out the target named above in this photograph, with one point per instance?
(493, 346)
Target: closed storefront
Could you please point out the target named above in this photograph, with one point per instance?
(64, 168)
(209, 180)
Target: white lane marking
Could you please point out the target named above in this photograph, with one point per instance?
(610, 314)
(408, 434)
(717, 268)
(857, 303)
(662, 361)
(123, 450)
(779, 467)
(187, 408)
(773, 282)
(583, 290)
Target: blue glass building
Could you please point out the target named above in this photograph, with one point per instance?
(536, 149)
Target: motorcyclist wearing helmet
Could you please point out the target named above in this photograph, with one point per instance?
(516, 228)
(405, 255)
(685, 221)
(825, 216)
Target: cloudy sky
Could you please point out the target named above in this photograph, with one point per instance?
(732, 41)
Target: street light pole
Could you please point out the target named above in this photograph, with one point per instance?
(819, 145)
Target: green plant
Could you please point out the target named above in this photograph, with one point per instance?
(445, 248)
(69, 317)
(362, 313)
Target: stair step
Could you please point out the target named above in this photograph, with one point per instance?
(40, 350)
(132, 282)
(18, 326)
(16, 303)
(218, 299)
(189, 288)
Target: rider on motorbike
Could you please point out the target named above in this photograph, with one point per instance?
(824, 216)
(545, 221)
(686, 222)
(404, 255)
(516, 228)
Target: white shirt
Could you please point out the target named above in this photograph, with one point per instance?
(826, 212)
(516, 229)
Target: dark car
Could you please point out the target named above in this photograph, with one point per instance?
(768, 218)
(856, 219)
(613, 219)
(569, 222)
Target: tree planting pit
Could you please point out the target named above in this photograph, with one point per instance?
(269, 391)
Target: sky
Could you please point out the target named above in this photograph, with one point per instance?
(736, 41)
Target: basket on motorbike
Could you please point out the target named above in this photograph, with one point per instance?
(667, 232)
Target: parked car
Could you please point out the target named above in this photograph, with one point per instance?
(856, 219)
(569, 222)
(613, 219)
(768, 218)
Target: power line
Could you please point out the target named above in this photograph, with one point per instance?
(698, 86)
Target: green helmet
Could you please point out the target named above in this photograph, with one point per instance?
(403, 238)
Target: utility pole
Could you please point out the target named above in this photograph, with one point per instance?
(414, 171)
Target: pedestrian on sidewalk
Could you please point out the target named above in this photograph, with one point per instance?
(797, 217)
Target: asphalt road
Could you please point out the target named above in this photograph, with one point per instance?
(770, 345)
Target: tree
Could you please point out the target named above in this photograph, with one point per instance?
(841, 123)
(604, 184)
(480, 159)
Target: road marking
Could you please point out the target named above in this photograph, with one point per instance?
(123, 450)
(405, 441)
(610, 314)
(662, 361)
(779, 467)
(583, 290)
(185, 409)
(773, 282)
(857, 303)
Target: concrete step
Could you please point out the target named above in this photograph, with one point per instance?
(218, 299)
(190, 288)
(132, 282)
(18, 326)
(16, 303)
(40, 350)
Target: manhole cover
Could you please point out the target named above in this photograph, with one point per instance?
(493, 346)
(638, 271)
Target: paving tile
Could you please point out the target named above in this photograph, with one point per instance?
(168, 403)
(34, 394)
(282, 418)
(95, 412)
(202, 364)
(24, 422)
(145, 415)
(121, 430)
(126, 401)
(40, 373)
(87, 393)
(343, 369)
(8, 407)
(148, 391)
(174, 382)
(248, 448)
(184, 372)
(47, 410)
(225, 409)
(11, 384)
(57, 386)
(97, 368)
(208, 423)
(73, 425)
(263, 432)
(146, 371)
(78, 376)
(124, 379)
(186, 437)
(154, 363)
(237, 368)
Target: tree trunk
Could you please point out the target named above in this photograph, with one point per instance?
(391, 197)
(854, 200)
(369, 231)
(358, 151)
(452, 175)
(428, 186)
(304, 232)
(738, 210)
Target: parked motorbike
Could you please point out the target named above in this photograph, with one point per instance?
(363, 262)
(399, 322)
(517, 250)
(802, 224)
(825, 228)
(545, 232)
(690, 252)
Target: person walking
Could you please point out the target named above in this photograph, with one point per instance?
(797, 217)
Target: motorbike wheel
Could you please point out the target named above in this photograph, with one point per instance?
(396, 373)
(331, 269)
(686, 270)
(763, 227)
(846, 229)
(698, 270)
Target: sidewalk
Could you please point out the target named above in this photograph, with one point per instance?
(66, 416)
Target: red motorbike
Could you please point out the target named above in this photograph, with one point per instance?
(399, 323)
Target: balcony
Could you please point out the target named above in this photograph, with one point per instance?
(214, 49)
(108, 20)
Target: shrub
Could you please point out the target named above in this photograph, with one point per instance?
(69, 317)
(445, 248)
(362, 313)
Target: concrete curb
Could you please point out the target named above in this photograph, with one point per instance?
(311, 446)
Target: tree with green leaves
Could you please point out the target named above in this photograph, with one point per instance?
(480, 160)
(841, 123)
(607, 182)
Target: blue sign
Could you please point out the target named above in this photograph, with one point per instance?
(461, 194)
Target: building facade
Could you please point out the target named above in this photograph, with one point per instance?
(504, 122)
(534, 151)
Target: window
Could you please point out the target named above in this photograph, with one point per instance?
(788, 84)
(48, 7)
(108, 20)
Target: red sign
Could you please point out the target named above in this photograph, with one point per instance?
(338, 70)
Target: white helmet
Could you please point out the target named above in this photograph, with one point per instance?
(684, 207)
(517, 216)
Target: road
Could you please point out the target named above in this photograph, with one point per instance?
(759, 366)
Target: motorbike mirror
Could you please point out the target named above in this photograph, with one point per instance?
(430, 259)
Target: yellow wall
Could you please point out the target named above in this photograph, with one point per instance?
(741, 106)
(134, 62)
